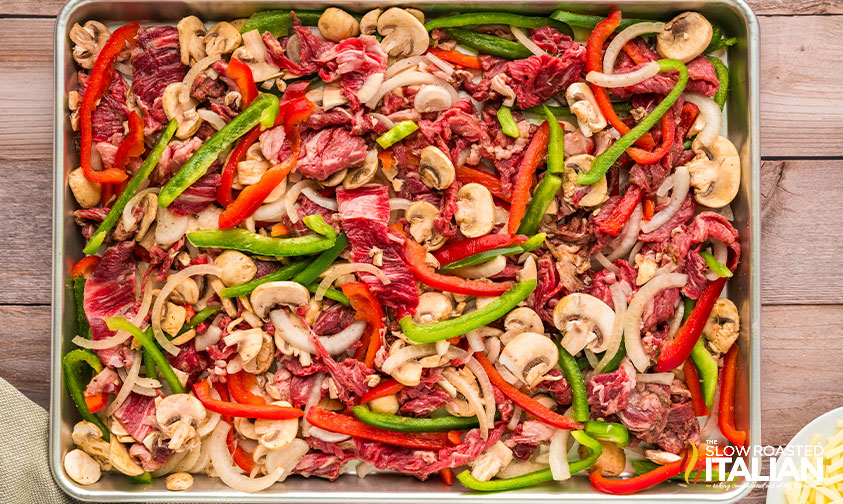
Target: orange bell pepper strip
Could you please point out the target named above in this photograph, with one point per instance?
(224, 196)
(467, 175)
(202, 390)
(644, 157)
(96, 402)
(132, 145)
(726, 420)
(456, 57)
(242, 76)
(240, 386)
(533, 157)
(382, 389)
(447, 476)
(368, 309)
(649, 208)
(85, 266)
(692, 381)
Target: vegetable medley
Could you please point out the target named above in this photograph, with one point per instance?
(487, 244)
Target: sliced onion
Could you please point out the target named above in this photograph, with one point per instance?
(223, 464)
(443, 65)
(591, 357)
(328, 436)
(666, 186)
(127, 386)
(606, 263)
(682, 184)
(272, 212)
(300, 337)
(520, 36)
(646, 71)
(370, 87)
(339, 270)
(485, 387)
(632, 319)
(411, 79)
(387, 122)
(399, 204)
(721, 253)
(320, 200)
(292, 196)
(559, 455)
(402, 64)
(677, 320)
(622, 38)
(212, 118)
(170, 227)
(194, 72)
(172, 283)
(145, 386)
(472, 397)
(516, 418)
(312, 400)
(629, 235)
(364, 469)
(658, 378)
(127, 219)
(634, 252)
(406, 354)
(120, 336)
(710, 111)
(209, 424)
(168, 466)
(287, 458)
(614, 343)
(475, 341)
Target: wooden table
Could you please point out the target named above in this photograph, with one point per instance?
(802, 183)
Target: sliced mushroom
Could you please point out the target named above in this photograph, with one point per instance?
(595, 194)
(432, 98)
(458, 405)
(183, 112)
(271, 294)
(149, 208)
(332, 96)
(433, 307)
(529, 356)
(491, 461)
(178, 415)
(435, 168)
(174, 319)
(191, 39)
(253, 54)
(408, 374)
(612, 460)
(364, 174)
(186, 292)
(222, 38)
(520, 320)
(337, 25)
(369, 22)
(387, 404)
(120, 459)
(583, 104)
(487, 269)
(237, 268)
(715, 173)
(87, 193)
(475, 213)
(249, 342)
(88, 438)
(684, 37)
(421, 216)
(403, 34)
(81, 467)
(88, 40)
(276, 434)
(723, 325)
(584, 321)
(263, 360)
(179, 481)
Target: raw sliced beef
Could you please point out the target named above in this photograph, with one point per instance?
(156, 63)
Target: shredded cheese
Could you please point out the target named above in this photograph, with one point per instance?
(830, 489)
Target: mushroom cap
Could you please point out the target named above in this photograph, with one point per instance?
(177, 409)
(684, 37)
(276, 434)
(222, 38)
(403, 34)
(121, 460)
(432, 98)
(475, 212)
(716, 179)
(722, 328)
(363, 174)
(433, 307)
(183, 111)
(486, 269)
(271, 294)
(191, 39)
(421, 216)
(249, 342)
(523, 319)
(592, 318)
(575, 165)
(529, 356)
(435, 167)
(237, 268)
(337, 25)
(369, 22)
(81, 467)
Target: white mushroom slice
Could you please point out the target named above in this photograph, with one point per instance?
(173, 319)
(179, 481)
(598, 192)
(263, 360)
(684, 37)
(435, 168)
(433, 307)
(191, 39)
(249, 342)
(267, 296)
(529, 356)
(403, 34)
(169, 227)
(715, 173)
(459, 405)
(87, 193)
(120, 459)
(584, 321)
(81, 467)
(421, 216)
(408, 374)
(487, 269)
(332, 96)
(612, 460)
(237, 268)
(369, 22)
(337, 25)
(475, 212)
(253, 54)
(183, 112)
(583, 104)
(364, 174)
(178, 415)
(88, 438)
(222, 38)
(723, 325)
(186, 292)
(520, 320)
(431, 98)
(387, 404)
(491, 461)
(87, 42)
(276, 434)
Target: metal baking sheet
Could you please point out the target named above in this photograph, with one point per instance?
(741, 126)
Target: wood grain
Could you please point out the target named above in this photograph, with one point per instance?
(25, 359)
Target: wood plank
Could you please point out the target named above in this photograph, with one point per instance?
(25, 359)
(26, 106)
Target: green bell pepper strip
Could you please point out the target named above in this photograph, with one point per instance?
(493, 18)
(607, 431)
(530, 245)
(322, 262)
(489, 44)
(582, 363)
(508, 125)
(82, 326)
(601, 164)
(719, 39)
(262, 111)
(437, 331)
(146, 168)
(555, 144)
(141, 479)
(542, 197)
(410, 424)
(534, 478)
(279, 22)
(71, 365)
(572, 373)
(284, 273)
(333, 294)
(615, 363)
(708, 370)
(148, 343)
(716, 266)
(590, 21)
(398, 132)
(246, 241)
(643, 466)
(722, 72)
(203, 315)
(149, 365)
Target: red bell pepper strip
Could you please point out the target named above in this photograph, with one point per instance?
(687, 118)
(635, 53)
(594, 62)
(242, 76)
(351, 426)
(526, 402)
(467, 175)
(621, 213)
(240, 387)
(382, 389)
(447, 476)
(367, 308)
(636, 483)
(244, 459)
(96, 402)
(668, 133)
(97, 85)
(132, 145)
(453, 252)
(726, 420)
(456, 57)
(692, 381)
(677, 350)
(455, 437)
(533, 157)
(414, 255)
(649, 208)
(202, 390)
(85, 266)
(224, 196)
